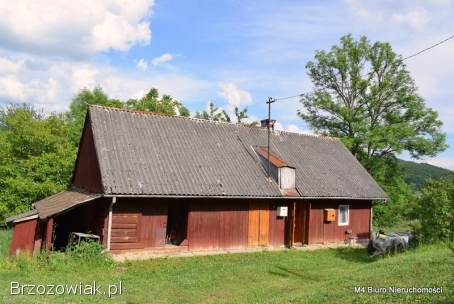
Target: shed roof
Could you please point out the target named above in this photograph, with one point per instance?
(21, 216)
(142, 153)
(62, 201)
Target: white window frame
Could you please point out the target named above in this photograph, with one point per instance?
(339, 223)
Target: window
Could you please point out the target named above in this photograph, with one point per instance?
(343, 215)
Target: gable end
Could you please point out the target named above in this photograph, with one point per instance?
(87, 174)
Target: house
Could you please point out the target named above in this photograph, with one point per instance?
(149, 181)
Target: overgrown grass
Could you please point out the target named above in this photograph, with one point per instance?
(291, 276)
(5, 239)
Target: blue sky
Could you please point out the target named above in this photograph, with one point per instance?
(235, 53)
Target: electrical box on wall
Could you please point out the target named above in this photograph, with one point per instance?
(282, 211)
(329, 215)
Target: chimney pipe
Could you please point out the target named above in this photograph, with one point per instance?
(264, 123)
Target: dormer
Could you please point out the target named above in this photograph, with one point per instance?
(280, 171)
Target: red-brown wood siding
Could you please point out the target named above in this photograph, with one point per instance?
(23, 237)
(359, 221)
(218, 224)
(87, 174)
(277, 226)
(139, 223)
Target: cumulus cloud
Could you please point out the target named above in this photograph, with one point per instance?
(416, 18)
(142, 64)
(51, 84)
(74, 28)
(235, 96)
(161, 59)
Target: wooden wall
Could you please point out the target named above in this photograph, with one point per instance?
(139, 223)
(23, 237)
(212, 223)
(87, 174)
(277, 226)
(218, 223)
(223, 224)
(359, 221)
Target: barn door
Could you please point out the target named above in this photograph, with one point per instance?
(259, 219)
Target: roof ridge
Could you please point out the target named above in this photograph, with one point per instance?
(207, 121)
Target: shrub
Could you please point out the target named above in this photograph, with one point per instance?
(88, 251)
(436, 210)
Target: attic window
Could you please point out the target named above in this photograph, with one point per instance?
(282, 173)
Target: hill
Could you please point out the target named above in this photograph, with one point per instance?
(417, 173)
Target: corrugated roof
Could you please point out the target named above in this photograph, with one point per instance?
(21, 216)
(62, 201)
(152, 154)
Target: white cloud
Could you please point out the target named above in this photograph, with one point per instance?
(416, 18)
(11, 88)
(291, 128)
(142, 64)
(161, 59)
(235, 96)
(9, 66)
(51, 84)
(360, 9)
(74, 28)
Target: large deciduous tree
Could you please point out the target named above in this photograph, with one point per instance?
(364, 94)
(153, 103)
(213, 113)
(36, 157)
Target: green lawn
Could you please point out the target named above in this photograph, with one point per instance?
(291, 276)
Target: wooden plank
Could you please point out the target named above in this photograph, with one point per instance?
(124, 226)
(124, 232)
(264, 224)
(124, 246)
(253, 224)
(125, 219)
(124, 239)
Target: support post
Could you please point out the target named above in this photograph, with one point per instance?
(49, 233)
(109, 226)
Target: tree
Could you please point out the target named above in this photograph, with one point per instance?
(36, 157)
(79, 106)
(436, 210)
(364, 94)
(240, 115)
(152, 103)
(213, 113)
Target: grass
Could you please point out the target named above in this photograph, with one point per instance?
(5, 239)
(290, 276)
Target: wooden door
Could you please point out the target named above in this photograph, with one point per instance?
(300, 223)
(259, 220)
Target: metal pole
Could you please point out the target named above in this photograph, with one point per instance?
(268, 126)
